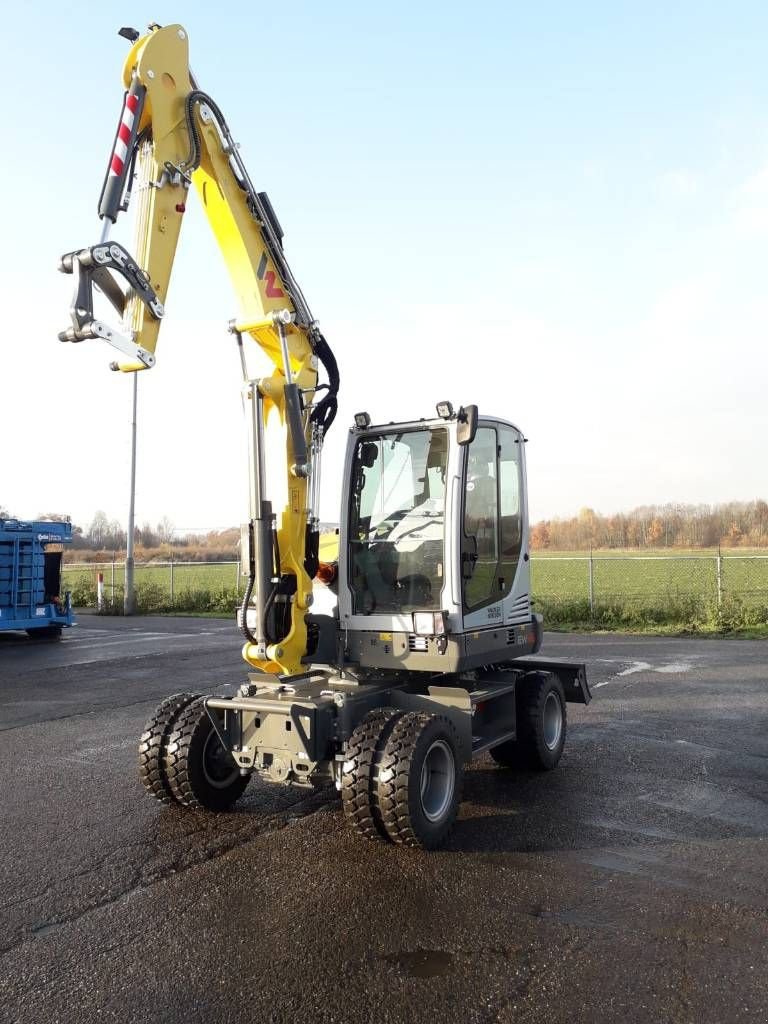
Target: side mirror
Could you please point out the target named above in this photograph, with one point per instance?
(466, 424)
(369, 452)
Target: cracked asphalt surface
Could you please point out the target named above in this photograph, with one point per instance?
(629, 885)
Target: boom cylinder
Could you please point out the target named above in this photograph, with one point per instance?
(292, 402)
(257, 540)
(122, 151)
(257, 537)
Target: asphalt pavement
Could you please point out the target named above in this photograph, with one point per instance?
(631, 884)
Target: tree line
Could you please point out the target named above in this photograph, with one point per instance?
(732, 524)
(104, 539)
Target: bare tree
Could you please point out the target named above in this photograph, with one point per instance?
(98, 529)
(165, 531)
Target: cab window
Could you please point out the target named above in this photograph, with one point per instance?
(492, 534)
(481, 527)
(397, 518)
(510, 498)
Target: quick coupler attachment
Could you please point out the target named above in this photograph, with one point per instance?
(101, 265)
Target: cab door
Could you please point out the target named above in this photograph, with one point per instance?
(493, 528)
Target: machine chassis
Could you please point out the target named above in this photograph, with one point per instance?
(295, 729)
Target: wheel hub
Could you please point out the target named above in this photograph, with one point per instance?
(438, 775)
(218, 767)
(553, 720)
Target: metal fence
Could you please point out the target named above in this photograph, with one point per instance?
(637, 582)
(174, 581)
(712, 581)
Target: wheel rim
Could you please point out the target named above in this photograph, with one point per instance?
(218, 767)
(438, 774)
(553, 720)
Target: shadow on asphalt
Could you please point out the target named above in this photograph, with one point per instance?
(16, 638)
(513, 810)
(518, 811)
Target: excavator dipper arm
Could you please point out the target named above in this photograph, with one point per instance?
(171, 135)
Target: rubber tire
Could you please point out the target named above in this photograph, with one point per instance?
(398, 783)
(153, 742)
(363, 756)
(183, 763)
(529, 749)
(45, 633)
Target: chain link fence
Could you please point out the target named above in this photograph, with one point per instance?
(657, 588)
(160, 586)
(602, 589)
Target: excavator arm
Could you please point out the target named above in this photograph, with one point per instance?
(171, 135)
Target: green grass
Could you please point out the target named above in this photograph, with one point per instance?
(653, 553)
(652, 592)
(198, 587)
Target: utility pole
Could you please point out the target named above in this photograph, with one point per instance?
(129, 597)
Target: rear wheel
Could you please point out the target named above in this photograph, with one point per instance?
(361, 764)
(153, 742)
(201, 772)
(418, 787)
(541, 725)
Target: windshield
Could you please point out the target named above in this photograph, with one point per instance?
(396, 521)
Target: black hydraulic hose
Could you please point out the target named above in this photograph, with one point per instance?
(324, 412)
(244, 627)
(267, 609)
(198, 96)
(126, 198)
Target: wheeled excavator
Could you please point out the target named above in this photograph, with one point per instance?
(431, 657)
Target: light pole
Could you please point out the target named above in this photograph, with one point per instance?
(129, 597)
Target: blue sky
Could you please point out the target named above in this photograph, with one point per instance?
(559, 211)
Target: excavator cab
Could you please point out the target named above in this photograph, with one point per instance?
(434, 569)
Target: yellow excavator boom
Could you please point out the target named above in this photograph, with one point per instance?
(172, 135)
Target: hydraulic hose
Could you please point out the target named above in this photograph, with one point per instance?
(244, 627)
(324, 412)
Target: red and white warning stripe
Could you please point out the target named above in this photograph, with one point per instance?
(120, 154)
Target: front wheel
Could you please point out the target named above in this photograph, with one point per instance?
(153, 742)
(418, 785)
(201, 772)
(361, 765)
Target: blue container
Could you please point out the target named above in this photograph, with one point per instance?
(30, 576)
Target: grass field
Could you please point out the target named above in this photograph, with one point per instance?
(693, 590)
(690, 589)
(190, 586)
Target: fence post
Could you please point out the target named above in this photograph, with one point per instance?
(719, 566)
(171, 580)
(112, 579)
(591, 583)
(237, 577)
